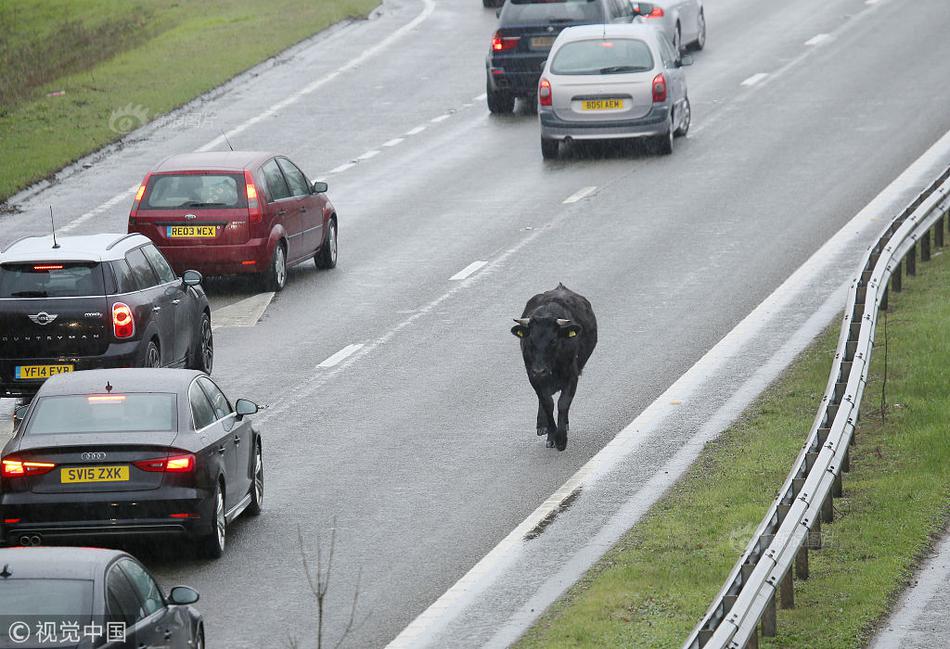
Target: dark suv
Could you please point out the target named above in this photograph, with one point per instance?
(104, 300)
(526, 31)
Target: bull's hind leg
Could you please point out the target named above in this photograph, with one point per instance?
(563, 407)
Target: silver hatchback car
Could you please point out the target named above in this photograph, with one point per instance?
(604, 82)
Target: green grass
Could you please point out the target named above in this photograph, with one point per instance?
(654, 586)
(108, 54)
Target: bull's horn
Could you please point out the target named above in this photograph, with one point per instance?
(562, 322)
(522, 321)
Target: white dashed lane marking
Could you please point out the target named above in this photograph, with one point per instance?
(754, 79)
(436, 120)
(394, 141)
(341, 355)
(817, 40)
(343, 167)
(416, 130)
(579, 194)
(469, 270)
(369, 154)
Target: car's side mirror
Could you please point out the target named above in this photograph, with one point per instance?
(183, 595)
(191, 278)
(244, 407)
(320, 187)
(498, 12)
(686, 59)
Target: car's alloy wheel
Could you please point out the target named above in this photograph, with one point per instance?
(276, 276)
(700, 41)
(153, 357)
(213, 544)
(686, 117)
(205, 359)
(200, 640)
(326, 256)
(257, 486)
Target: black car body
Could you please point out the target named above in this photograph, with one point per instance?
(105, 300)
(526, 32)
(130, 452)
(86, 598)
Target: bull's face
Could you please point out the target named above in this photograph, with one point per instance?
(544, 341)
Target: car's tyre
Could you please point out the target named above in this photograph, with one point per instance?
(200, 639)
(152, 356)
(500, 102)
(326, 256)
(202, 355)
(549, 148)
(211, 545)
(700, 41)
(664, 143)
(678, 40)
(686, 116)
(275, 277)
(257, 484)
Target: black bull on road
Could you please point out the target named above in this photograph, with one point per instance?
(558, 333)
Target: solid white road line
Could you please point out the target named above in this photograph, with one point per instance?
(440, 118)
(244, 313)
(817, 40)
(341, 355)
(754, 79)
(342, 167)
(579, 194)
(468, 270)
(394, 141)
(416, 130)
(115, 200)
(368, 155)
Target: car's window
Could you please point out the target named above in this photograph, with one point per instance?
(520, 12)
(201, 410)
(626, 9)
(122, 602)
(142, 271)
(159, 264)
(603, 56)
(219, 402)
(666, 52)
(124, 279)
(104, 413)
(144, 585)
(276, 185)
(295, 178)
(45, 597)
(194, 191)
(51, 279)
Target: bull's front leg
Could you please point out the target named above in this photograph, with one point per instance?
(563, 407)
(546, 423)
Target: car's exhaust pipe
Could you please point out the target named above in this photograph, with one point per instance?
(29, 540)
(36, 539)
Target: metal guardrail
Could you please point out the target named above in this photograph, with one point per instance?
(792, 525)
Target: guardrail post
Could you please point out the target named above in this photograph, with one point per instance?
(814, 535)
(753, 642)
(787, 591)
(911, 260)
(837, 489)
(883, 306)
(827, 511)
(896, 278)
(925, 247)
(801, 561)
(768, 618)
(938, 232)
(846, 460)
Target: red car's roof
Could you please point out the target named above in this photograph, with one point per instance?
(212, 160)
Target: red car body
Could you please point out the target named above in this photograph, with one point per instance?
(226, 213)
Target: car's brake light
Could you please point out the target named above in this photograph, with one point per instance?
(175, 464)
(501, 43)
(254, 212)
(545, 97)
(656, 12)
(139, 193)
(47, 267)
(123, 323)
(659, 89)
(13, 468)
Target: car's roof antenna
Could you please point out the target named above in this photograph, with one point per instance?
(6, 571)
(108, 387)
(53, 224)
(225, 136)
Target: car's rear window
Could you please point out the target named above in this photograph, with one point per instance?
(614, 56)
(105, 413)
(522, 12)
(194, 191)
(45, 597)
(51, 279)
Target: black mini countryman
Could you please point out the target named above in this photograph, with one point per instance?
(97, 301)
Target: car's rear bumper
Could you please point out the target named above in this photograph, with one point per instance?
(518, 75)
(653, 123)
(126, 354)
(220, 259)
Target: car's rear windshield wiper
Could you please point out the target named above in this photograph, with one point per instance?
(29, 294)
(561, 20)
(197, 204)
(615, 69)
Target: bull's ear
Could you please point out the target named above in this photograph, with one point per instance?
(519, 330)
(571, 331)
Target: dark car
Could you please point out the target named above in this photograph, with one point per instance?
(104, 300)
(128, 452)
(526, 32)
(234, 212)
(86, 598)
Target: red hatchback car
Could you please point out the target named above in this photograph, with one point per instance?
(233, 212)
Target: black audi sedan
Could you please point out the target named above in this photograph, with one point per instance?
(103, 300)
(89, 598)
(130, 452)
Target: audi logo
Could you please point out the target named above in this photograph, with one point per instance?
(93, 456)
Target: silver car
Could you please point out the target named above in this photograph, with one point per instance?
(683, 21)
(603, 82)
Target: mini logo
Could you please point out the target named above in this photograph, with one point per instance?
(42, 318)
(190, 217)
(92, 314)
(550, 29)
(94, 457)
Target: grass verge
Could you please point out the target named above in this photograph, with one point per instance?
(76, 75)
(654, 586)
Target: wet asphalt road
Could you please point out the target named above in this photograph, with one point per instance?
(420, 446)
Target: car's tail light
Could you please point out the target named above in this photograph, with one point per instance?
(545, 97)
(123, 323)
(13, 468)
(139, 193)
(174, 464)
(656, 12)
(47, 267)
(501, 43)
(254, 212)
(659, 89)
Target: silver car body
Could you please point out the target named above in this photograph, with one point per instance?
(683, 21)
(639, 116)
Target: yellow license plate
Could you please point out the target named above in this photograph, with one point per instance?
(35, 372)
(95, 474)
(542, 42)
(602, 104)
(191, 231)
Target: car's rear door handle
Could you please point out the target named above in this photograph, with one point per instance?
(156, 308)
(237, 439)
(303, 208)
(168, 634)
(221, 450)
(281, 212)
(178, 301)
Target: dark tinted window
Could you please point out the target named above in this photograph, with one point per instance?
(122, 602)
(45, 597)
(51, 279)
(276, 185)
(614, 56)
(526, 12)
(148, 591)
(159, 264)
(141, 269)
(295, 178)
(124, 279)
(201, 410)
(105, 413)
(219, 402)
(185, 191)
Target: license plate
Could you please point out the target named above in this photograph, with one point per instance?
(191, 231)
(94, 474)
(35, 372)
(602, 104)
(542, 42)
